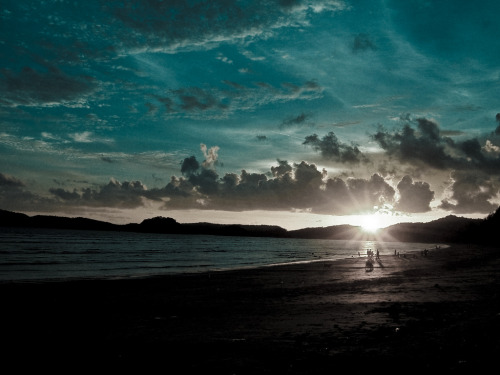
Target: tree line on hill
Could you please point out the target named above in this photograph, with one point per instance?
(450, 229)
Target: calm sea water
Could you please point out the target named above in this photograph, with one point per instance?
(44, 254)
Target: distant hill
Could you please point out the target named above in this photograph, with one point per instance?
(10, 219)
(449, 229)
(154, 225)
(335, 232)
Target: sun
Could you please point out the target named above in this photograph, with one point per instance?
(370, 223)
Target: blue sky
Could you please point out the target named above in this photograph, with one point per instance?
(287, 112)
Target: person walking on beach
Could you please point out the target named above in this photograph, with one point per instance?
(378, 254)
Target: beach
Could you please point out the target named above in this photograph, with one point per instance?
(410, 313)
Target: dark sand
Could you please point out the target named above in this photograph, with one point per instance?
(440, 312)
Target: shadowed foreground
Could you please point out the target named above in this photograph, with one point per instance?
(439, 312)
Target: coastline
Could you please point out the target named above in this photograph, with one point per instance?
(440, 311)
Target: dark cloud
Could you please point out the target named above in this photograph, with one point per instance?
(333, 149)
(14, 196)
(127, 194)
(414, 196)
(304, 119)
(190, 166)
(182, 24)
(177, 187)
(363, 42)
(283, 169)
(116, 194)
(50, 87)
(308, 175)
(428, 147)
(472, 192)
(107, 159)
(497, 130)
(290, 186)
(7, 181)
(152, 109)
(195, 101)
(206, 181)
(356, 195)
(65, 195)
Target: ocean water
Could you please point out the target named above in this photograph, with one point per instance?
(47, 254)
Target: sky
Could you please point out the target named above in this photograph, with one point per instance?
(297, 113)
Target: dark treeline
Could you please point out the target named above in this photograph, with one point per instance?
(450, 229)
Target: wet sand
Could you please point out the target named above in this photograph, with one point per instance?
(413, 314)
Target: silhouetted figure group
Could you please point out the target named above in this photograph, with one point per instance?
(369, 265)
(369, 262)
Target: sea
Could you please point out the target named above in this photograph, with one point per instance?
(31, 254)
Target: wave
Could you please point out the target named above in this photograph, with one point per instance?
(48, 255)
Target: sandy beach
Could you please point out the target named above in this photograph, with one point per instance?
(410, 314)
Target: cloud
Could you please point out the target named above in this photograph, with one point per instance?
(88, 137)
(180, 25)
(206, 181)
(292, 186)
(356, 195)
(287, 186)
(363, 42)
(14, 195)
(489, 147)
(210, 154)
(189, 166)
(7, 182)
(283, 169)
(472, 192)
(333, 149)
(127, 194)
(297, 186)
(196, 99)
(65, 195)
(426, 146)
(414, 196)
(301, 120)
(48, 88)
(83, 137)
(196, 102)
(107, 159)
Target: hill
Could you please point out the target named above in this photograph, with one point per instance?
(450, 229)
(158, 224)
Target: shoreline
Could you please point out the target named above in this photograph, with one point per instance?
(147, 274)
(441, 312)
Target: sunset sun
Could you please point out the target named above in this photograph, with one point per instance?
(370, 223)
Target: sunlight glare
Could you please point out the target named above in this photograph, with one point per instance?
(370, 223)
